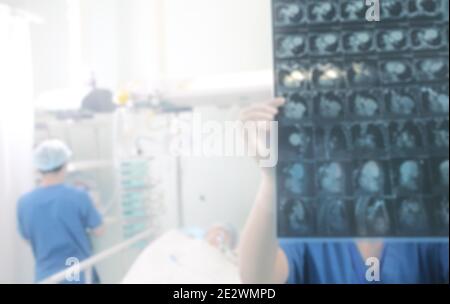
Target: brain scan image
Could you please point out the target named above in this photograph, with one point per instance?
(330, 106)
(353, 10)
(295, 178)
(407, 137)
(364, 131)
(322, 12)
(325, 43)
(296, 108)
(401, 104)
(327, 76)
(367, 137)
(433, 68)
(442, 215)
(289, 14)
(291, 46)
(443, 173)
(299, 219)
(372, 217)
(370, 177)
(358, 41)
(298, 140)
(439, 136)
(337, 141)
(396, 71)
(392, 8)
(392, 40)
(426, 38)
(436, 102)
(292, 76)
(332, 178)
(362, 74)
(425, 7)
(333, 218)
(412, 217)
(320, 141)
(365, 105)
(409, 175)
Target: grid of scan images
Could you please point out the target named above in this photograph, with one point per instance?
(364, 135)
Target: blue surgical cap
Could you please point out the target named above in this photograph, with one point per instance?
(50, 155)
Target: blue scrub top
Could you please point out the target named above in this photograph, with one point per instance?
(341, 263)
(54, 220)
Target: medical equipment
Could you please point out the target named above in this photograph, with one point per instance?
(364, 132)
(117, 160)
(141, 200)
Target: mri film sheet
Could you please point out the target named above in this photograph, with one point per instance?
(364, 133)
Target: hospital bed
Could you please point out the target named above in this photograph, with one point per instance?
(173, 258)
(177, 258)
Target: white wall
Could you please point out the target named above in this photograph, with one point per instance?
(49, 42)
(213, 37)
(150, 40)
(16, 140)
(216, 36)
(217, 189)
(101, 25)
(141, 36)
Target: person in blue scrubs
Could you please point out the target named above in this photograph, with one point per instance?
(56, 218)
(264, 259)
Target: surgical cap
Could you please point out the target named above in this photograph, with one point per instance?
(51, 155)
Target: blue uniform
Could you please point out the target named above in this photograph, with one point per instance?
(341, 263)
(54, 220)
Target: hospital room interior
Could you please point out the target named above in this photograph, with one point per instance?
(112, 85)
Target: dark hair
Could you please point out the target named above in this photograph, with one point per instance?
(56, 170)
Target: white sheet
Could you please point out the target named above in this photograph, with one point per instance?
(178, 259)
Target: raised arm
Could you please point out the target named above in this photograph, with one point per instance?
(260, 258)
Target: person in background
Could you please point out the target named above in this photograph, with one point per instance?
(265, 259)
(56, 219)
(223, 236)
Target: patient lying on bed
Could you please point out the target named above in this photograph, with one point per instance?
(191, 256)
